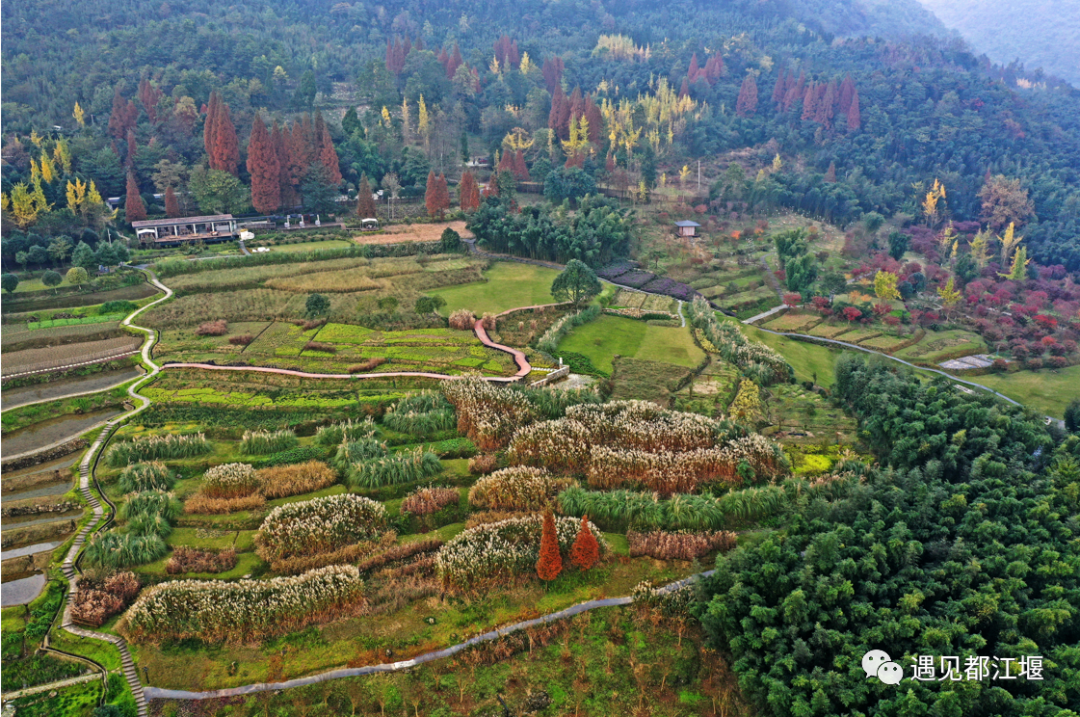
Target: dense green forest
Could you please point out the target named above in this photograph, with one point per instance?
(1042, 34)
(776, 76)
(962, 544)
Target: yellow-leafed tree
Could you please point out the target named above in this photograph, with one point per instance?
(885, 286)
(747, 403)
(948, 293)
(79, 115)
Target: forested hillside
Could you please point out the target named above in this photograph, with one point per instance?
(1041, 34)
(771, 76)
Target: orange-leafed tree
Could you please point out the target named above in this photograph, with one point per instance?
(134, 209)
(225, 152)
(265, 170)
(746, 105)
(549, 565)
(282, 140)
(327, 155)
(172, 206)
(365, 205)
(854, 116)
(431, 194)
(586, 550)
(469, 192)
(209, 123)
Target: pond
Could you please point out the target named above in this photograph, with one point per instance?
(30, 550)
(10, 398)
(22, 591)
(52, 431)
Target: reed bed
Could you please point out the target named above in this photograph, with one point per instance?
(202, 504)
(488, 415)
(98, 600)
(421, 415)
(622, 509)
(112, 550)
(679, 546)
(486, 555)
(350, 430)
(517, 488)
(426, 501)
(230, 480)
(402, 467)
(362, 449)
(320, 525)
(483, 464)
(191, 560)
(152, 475)
(400, 553)
(150, 512)
(157, 448)
(491, 516)
(756, 360)
(260, 443)
(216, 611)
(296, 479)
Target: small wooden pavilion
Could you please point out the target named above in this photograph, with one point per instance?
(686, 228)
(181, 230)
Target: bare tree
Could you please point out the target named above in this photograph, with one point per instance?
(392, 184)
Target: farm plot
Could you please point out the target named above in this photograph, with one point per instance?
(506, 285)
(884, 343)
(829, 331)
(337, 348)
(645, 302)
(744, 299)
(939, 346)
(608, 336)
(794, 322)
(398, 233)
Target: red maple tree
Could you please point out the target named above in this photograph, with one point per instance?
(549, 565)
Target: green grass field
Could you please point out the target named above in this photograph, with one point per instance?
(310, 246)
(602, 339)
(806, 358)
(938, 346)
(508, 286)
(1045, 391)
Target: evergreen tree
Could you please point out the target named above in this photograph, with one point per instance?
(262, 164)
(134, 209)
(83, 257)
(78, 275)
(577, 283)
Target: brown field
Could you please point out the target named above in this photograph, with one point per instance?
(397, 233)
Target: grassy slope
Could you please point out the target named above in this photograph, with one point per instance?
(508, 286)
(602, 339)
(1045, 391)
(806, 358)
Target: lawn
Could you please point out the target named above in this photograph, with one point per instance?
(508, 286)
(1045, 391)
(608, 336)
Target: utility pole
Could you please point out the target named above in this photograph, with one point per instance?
(699, 175)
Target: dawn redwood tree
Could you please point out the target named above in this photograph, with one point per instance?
(365, 205)
(468, 193)
(431, 201)
(209, 125)
(172, 206)
(586, 550)
(327, 155)
(134, 209)
(549, 565)
(854, 117)
(225, 152)
(282, 140)
(262, 164)
(577, 283)
(746, 105)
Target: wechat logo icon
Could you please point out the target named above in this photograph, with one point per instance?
(877, 663)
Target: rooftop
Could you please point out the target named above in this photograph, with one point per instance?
(181, 220)
(686, 223)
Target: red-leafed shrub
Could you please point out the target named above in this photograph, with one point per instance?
(429, 500)
(586, 550)
(213, 328)
(191, 560)
(483, 464)
(320, 346)
(462, 320)
(549, 565)
(98, 600)
(242, 340)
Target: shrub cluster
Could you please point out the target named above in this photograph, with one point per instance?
(549, 342)
(260, 443)
(757, 361)
(202, 504)
(399, 553)
(217, 611)
(421, 415)
(679, 546)
(213, 328)
(517, 488)
(367, 365)
(191, 560)
(361, 449)
(119, 550)
(241, 340)
(320, 346)
(462, 320)
(230, 480)
(98, 600)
